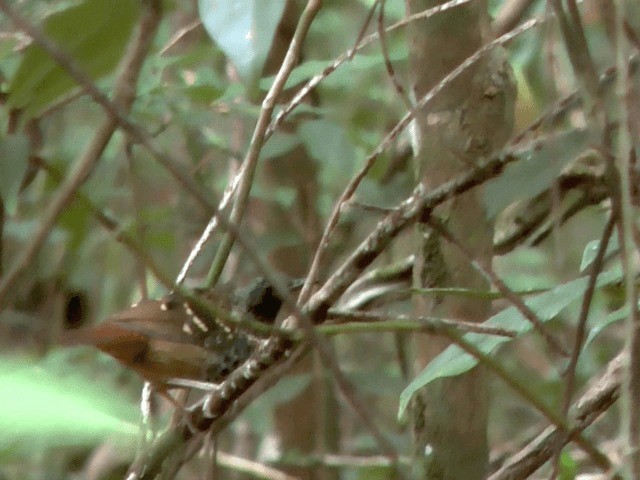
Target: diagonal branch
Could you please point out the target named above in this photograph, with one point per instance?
(250, 161)
(602, 394)
(124, 95)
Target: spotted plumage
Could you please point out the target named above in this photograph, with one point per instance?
(173, 338)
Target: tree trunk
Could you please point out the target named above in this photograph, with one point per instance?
(471, 118)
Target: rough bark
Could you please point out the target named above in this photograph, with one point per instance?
(471, 118)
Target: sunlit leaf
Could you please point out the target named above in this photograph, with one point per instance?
(243, 29)
(48, 408)
(94, 33)
(591, 250)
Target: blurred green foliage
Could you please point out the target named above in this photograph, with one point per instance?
(203, 117)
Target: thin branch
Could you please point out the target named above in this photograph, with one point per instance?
(251, 468)
(570, 376)
(207, 233)
(589, 71)
(384, 322)
(343, 461)
(139, 223)
(115, 111)
(509, 15)
(250, 161)
(599, 397)
(124, 94)
(532, 398)
(364, 26)
(389, 139)
(179, 35)
(497, 282)
(576, 46)
(581, 329)
(348, 55)
(387, 61)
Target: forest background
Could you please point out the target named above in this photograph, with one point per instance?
(457, 181)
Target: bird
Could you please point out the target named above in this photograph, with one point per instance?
(174, 340)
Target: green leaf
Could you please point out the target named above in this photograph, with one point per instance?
(328, 143)
(94, 33)
(535, 173)
(204, 94)
(243, 29)
(568, 466)
(455, 361)
(591, 250)
(614, 317)
(42, 407)
(14, 160)
(279, 144)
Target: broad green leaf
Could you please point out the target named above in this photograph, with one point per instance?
(51, 408)
(455, 361)
(328, 143)
(614, 317)
(94, 33)
(14, 160)
(243, 29)
(279, 144)
(534, 173)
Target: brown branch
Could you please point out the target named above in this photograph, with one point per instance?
(576, 46)
(117, 114)
(258, 138)
(601, 395)
(593, 190)
(214, 414)
(124, 94)
(399, 89)
(348, 55)
(433, 325)
(596, 268)
(497, 282)
(570, 373)
(509, 15)
(402, 124)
